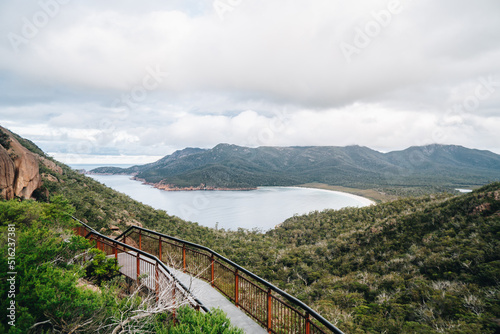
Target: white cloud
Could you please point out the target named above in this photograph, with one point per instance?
(230, 80)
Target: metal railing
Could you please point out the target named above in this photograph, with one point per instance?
(274, 309)
(143, 268)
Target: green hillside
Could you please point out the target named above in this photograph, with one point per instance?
(425, 265)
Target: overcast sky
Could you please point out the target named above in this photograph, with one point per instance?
(141, 79)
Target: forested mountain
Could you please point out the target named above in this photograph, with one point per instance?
(415, 265)
(232, 166)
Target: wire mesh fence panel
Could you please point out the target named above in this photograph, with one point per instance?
(108, 248)
(128, 264)
(149, 244)
(81, 231)
(147, 273)
(131, 239)
(286, 319)
(224, 279)
(171, 255)
(253, 300)
(198, 264)
(316, 329)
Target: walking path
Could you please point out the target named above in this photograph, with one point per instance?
(209, 296)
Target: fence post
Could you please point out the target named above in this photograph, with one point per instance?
(236, 287)
(116, 251)
(140, 240)
(212, 265)
(308, 323)
(269, 311)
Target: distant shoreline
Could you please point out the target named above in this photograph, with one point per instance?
(369, 195)
(366, 196)
(363, 199)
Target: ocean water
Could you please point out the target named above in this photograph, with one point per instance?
(263, 208)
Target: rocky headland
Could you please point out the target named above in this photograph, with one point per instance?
(19, 168)
(171, 187)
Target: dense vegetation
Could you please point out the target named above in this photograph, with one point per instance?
(416, 265)
(428, 168)
(53, 269)
(426, 265)
(4, 140)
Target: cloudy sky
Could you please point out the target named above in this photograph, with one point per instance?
(128, 81)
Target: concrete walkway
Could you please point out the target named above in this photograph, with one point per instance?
(211, 297)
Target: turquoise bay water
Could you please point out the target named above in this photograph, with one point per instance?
(263, 208)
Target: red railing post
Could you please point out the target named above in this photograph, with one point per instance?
(308, 323)
(212, 266)
(269, 310)
(236, 287)
(116, 251)
(184, 257)
(159, 249)
(140, 240)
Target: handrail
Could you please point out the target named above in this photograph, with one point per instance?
(145, 254)
(292, 299)
(82, 223)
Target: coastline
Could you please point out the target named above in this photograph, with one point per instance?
(201, 187)
(368, 194)
(364, 200)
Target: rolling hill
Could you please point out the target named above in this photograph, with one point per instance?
(232, 166)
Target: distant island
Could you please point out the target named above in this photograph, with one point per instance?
(232, 167)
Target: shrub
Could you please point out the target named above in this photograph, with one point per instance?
(191, 321)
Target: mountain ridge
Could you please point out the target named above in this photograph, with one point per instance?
(232, 166)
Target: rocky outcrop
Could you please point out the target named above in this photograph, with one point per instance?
(51, 165)
(7, 174)
(133, 222)
(49, 177)
(19, 171)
